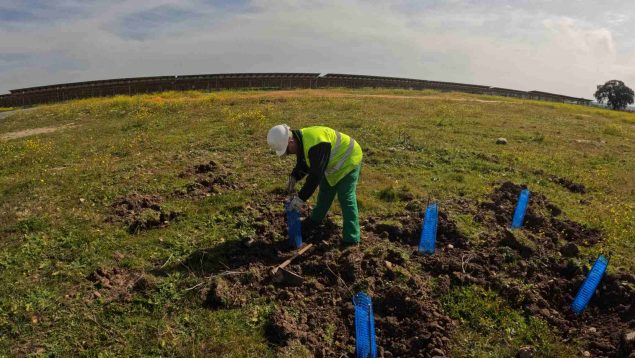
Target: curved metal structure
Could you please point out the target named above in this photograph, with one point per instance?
(208, 82)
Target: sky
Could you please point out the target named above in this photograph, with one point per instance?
(566, 47)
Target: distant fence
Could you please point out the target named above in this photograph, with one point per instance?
(129, 86)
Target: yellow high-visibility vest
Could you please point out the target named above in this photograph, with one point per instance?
(346, 154)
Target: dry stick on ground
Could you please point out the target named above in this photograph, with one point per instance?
(465, 259)
(112, 331)
(288, 261)
(340, 279)
(225, 273)
(166, 261)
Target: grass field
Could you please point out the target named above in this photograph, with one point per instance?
(57, 191)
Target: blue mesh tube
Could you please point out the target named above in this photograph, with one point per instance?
(519, 213)
(294, 227)
(590, 284)
(429, 232)
(365, 344)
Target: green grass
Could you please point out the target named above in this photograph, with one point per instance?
(489, 328)
(6, 109)
(56, 190)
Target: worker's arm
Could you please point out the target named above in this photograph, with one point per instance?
(300, 169)
(319, 158)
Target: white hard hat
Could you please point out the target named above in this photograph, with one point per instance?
(278, 138)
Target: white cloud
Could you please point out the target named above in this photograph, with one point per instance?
(505, 45)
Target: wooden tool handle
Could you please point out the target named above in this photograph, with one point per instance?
(288, 261)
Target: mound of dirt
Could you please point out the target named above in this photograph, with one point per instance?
(568, 184)
(527, 268)
(541, 219)
(406, 228)
(319, 314)
(119, 285)
(208, 179)
(141, 212)
(409, 322)
(536, 269)
(564, 182)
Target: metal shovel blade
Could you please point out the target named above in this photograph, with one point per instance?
(288, 277)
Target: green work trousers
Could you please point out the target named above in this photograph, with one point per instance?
(345, 190)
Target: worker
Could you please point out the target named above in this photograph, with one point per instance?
(332, 160)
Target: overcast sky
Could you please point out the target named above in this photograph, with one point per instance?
(565, 47)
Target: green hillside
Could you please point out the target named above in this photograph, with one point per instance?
(122, 219)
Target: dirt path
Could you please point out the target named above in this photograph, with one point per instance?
(4, 115)
(7, 114)
(33, 131)
(394, 96)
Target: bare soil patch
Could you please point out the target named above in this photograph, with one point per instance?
(119, 285)
(536, 269)
(141, 212)
(209, 178)
(564, 182)
(33, 131)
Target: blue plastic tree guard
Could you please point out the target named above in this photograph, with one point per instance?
(428, 236)
(294, 227)
(365, 344)
(589, 285)
(519, 213)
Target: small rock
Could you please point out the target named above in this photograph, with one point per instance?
(627, 344)
(586, 354)
(592, 330)
(96, 294)
(450, 246)
(388, 264)
(525, 352)
(501, 140)
(82, 200)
